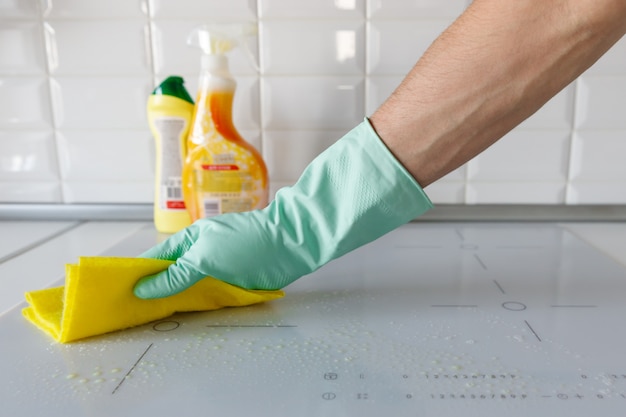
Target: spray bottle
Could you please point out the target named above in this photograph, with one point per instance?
(222, 172)
(169, 114)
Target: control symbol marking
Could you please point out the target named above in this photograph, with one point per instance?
(166, 326)
(514, 306)
(499, 287)
(329, 395)
(532, 330)
(132, 369)
(480, 261)
(455, 305)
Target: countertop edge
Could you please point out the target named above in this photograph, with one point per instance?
(441, 212)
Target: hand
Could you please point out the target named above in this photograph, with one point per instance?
(351, 194)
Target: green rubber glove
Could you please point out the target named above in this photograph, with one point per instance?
(351, 194)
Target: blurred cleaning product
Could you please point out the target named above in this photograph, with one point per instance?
(170, 108)
(222, 172)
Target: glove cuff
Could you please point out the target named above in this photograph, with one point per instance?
(351, 194)
(406, 198)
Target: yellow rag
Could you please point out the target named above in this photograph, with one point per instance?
(98, 298)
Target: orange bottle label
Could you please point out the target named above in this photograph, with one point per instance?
(223, 173)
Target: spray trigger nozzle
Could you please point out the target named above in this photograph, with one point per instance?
(221, 38)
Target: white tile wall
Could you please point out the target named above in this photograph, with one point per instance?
(544, 192)
(324, 9)
(27, 155)
(85, 102)
(323, 47)
(19, 8)
(597, 168)
(416, 9)
(288, 152)
(98, 47)
(307, 102)
(539, 155)
(22, 49)
(75, 75)
(387, 37)
(212, 9)
(110, 9)
(94, 155)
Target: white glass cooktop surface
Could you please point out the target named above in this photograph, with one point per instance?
(430, 320)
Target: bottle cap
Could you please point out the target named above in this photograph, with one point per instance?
(173, 86)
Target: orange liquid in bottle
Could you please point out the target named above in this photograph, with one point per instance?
(222, 172)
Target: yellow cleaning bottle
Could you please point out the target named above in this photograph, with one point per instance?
(170, 108)
(222, 172)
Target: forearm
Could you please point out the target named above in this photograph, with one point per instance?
(493, 68)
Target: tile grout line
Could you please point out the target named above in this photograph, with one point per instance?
(47, 41)
(149, 44)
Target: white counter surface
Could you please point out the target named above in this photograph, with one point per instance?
(434, 319)
(33, 254)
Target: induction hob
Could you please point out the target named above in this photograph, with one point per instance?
(431, 320)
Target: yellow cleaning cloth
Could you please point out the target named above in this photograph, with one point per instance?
(98, 298)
